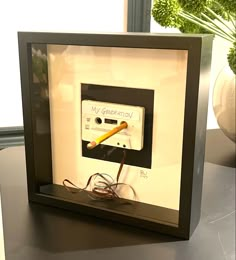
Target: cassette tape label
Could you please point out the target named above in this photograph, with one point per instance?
(110, 110)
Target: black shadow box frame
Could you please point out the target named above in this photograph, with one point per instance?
(38, 147)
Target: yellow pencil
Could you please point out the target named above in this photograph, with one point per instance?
(107, 135)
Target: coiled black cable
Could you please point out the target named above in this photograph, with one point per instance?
(104, 187)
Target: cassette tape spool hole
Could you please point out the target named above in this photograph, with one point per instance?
(98, 120)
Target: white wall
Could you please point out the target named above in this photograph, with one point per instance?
(2, 247)
(43, 15)
(219, 60)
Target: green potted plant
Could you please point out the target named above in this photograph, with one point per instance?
(208, 16)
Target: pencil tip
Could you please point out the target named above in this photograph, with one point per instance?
(91, 145)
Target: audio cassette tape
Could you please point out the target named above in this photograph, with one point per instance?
(100, 117)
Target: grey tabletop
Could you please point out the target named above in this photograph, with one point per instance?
(35, 232)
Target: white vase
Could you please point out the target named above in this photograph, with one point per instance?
(224, 102)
